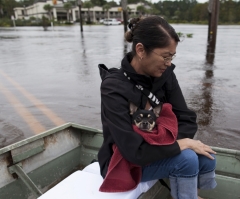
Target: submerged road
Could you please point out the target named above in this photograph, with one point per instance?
(48, 78)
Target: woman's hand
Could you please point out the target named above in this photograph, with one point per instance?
(197, 146)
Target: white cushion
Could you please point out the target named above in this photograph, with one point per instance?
(93, 168)
(85, 185)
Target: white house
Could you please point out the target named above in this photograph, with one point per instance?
(59, 13)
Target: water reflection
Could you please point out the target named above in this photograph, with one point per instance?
(206, 108)
(205, 111)
(210, 55)
(84, 56)
(83, 45)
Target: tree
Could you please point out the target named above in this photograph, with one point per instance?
(154, 11)
(106, 8)
(7, 7)
(1, 8)
(67, 6)
(98, 2)
(26, 3)
(112, 4)
(133, 1)
(88, 5)
(141, 10)
(48, 8)
(200, 12)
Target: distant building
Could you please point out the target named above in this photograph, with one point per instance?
(60, 14)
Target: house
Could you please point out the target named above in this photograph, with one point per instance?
(60, 14)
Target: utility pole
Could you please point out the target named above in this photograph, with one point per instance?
(125, 14)
(79, 2)
(13, 19)
(213, 11)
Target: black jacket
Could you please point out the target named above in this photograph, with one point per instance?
(116, 92)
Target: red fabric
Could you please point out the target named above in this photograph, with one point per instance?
(122, 175)
(125, 176)
(166, 131)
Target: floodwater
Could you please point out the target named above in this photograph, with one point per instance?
(51, 77)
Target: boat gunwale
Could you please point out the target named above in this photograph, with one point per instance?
(226, 151)
(93, 130)
(47, 133)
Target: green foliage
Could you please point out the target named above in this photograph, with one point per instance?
(186, 11)
(137, 1)
(25, 3)
(20, 22)
(112, 3)
(190, 35)
(5, 22)
(48, 7)
(67, 6)
(98, 2)
(229, 12)
(7, 8)
(182, 35)
(88, 5)
(72, 2)
(141, 9)
(45, 22)
(106, 7)
(68, 23)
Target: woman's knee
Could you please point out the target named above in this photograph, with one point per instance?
(188, 164)
(206, 164)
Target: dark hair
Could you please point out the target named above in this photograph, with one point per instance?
(152, 32)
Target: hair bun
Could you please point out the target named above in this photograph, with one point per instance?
(132, 25)
(129, 36)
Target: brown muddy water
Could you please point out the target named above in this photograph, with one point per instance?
(50, 77)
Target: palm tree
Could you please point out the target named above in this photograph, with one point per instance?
(107, 8)
(1, 8)
(88, 5)
(48, 8)
(67, 6)
(6, 8)
(141, 9)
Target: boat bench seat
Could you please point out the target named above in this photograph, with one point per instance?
(85, 185)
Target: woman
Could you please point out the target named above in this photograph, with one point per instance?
(188, 163)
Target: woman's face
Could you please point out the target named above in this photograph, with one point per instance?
(156, 62)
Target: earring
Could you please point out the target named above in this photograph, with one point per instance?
(140, 59)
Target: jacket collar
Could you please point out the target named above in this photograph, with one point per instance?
(147, 82)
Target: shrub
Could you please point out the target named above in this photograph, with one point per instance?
(189, 35)
(5, 22)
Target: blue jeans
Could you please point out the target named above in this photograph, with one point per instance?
(187, 172)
